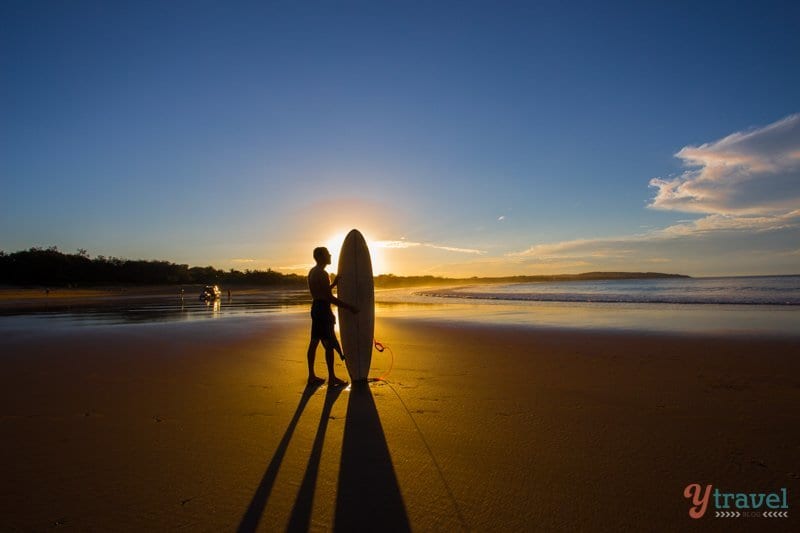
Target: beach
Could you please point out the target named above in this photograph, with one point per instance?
(206, 425)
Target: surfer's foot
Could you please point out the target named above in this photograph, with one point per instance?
(336, 382)
(314, 381)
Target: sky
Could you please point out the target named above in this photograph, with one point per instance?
(462, 138)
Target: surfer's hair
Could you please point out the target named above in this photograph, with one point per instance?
(319, 253)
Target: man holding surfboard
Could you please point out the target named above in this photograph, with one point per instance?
(323, 319)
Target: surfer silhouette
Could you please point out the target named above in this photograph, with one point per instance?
(323, 319)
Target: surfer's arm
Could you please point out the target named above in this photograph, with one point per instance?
(322, 290)
(339, 303)
(336, 301)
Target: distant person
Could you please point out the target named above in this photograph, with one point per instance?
(323, 319)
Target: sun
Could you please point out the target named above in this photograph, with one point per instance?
(334, 246)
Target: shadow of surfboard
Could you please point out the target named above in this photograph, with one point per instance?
(368, 495)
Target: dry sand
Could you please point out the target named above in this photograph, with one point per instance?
(205, 427)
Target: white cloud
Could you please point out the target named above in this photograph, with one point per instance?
(458, 250)
(727, 223)
(299, 266)
(410, 244)
(746, 173)
(397, 244)
(243, 260)
(619, 247)
(585, 248)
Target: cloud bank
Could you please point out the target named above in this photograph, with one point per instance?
(744, 174)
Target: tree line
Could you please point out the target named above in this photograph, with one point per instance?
(51, 267)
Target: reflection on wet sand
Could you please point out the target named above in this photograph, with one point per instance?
(158, 308)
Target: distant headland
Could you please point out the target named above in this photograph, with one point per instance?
(51, 267)
(390, 280)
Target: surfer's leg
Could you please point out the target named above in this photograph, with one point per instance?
(332, 379)
(312, 353)
(330, 340)
(329, 360)
(337, 347)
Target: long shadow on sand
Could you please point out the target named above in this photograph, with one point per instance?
(300, 519)
(254, 511)
(368, 496)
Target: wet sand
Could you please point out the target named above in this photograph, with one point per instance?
(206, 426)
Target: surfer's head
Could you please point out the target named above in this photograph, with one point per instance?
(322, 255)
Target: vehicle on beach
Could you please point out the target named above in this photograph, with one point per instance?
(210, 293)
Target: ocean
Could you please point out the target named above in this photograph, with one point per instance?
(751, 290)
(753, 305)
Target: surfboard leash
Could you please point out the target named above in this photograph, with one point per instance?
(380, 347)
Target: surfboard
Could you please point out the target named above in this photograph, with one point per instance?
(357, 288)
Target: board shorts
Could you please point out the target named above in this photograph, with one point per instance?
(322, 323)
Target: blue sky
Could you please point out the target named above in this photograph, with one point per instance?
(465, 138)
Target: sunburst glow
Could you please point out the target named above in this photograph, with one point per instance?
(334, 246)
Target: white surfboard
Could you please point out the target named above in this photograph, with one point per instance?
(357, 288)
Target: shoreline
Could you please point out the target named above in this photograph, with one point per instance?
(739, 321)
